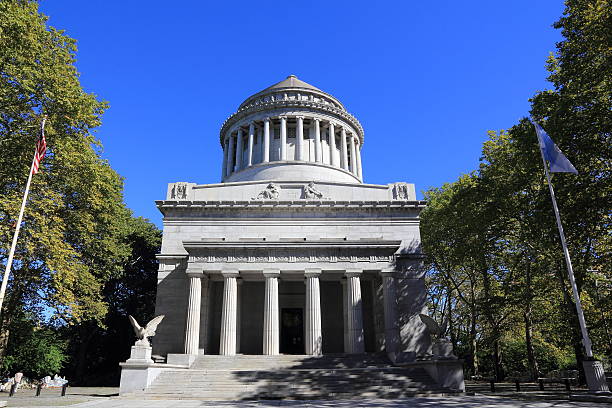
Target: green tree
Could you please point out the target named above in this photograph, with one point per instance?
(506, 236)
(95, 352)
(34, 349)
(72, 238)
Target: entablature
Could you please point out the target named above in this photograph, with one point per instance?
(194, 208)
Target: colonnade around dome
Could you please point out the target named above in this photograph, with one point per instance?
(296, 138)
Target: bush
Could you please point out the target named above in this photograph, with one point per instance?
(34, 351)
(548, 356)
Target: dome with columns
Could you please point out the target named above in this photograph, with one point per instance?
(292, 131)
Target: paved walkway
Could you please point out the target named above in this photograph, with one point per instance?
(430, 402)
(100, 397)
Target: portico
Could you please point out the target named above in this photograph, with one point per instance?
(297, 278)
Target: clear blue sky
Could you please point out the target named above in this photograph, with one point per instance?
(426, 79)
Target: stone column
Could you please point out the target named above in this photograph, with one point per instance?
(392, 334)
(344, 154)
(227, 345)
(358, 156)
(230, 156)
(204, 309)
(283, 138)
(224, 170)
(270, 328)
(318, 151)
(238, 313)
(332, 145)
(353, 156)
(344, 316)
(313, 313)
(354, 312)
(250, 146)
(239, 150)
(192, 328)
(266, 141)
(299, 139)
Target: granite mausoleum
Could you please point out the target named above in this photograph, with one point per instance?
(291, 253)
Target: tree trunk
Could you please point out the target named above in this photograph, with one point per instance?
(534, 369)
(86, 333)
(4, 337)
(499, 372)
(473, 342)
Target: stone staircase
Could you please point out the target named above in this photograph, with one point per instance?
(292, 376)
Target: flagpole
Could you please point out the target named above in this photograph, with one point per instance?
(585, 335)
(9, 262)
(38, 156)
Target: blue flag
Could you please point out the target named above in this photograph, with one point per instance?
(558, 162)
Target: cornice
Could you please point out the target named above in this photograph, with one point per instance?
(390, 245)
(270, 105)
(292, 206)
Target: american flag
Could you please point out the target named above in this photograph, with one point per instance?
(41, 147)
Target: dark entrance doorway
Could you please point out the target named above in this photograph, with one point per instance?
(292, 331)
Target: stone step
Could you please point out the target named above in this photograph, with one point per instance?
(260, 377)
(291, 361)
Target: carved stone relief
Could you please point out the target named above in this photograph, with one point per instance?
(287, 255)
(179, 191)
(401, 191)
(311, 192)
(271, 192)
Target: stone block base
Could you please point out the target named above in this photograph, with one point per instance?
(135, 377)
(595, 376)
(446, 373)
(140, 371)
(181, 359)
(140, 355)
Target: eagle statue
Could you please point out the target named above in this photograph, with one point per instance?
(142, 333)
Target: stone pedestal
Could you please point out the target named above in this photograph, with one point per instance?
(136, 372)
(595, 376)
(446, 373)
(140, 355)
(443, 349)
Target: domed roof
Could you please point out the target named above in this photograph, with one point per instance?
(291, 83)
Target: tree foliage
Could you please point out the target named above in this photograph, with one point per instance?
(70, 242)
(80, 252)
(497, 270)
